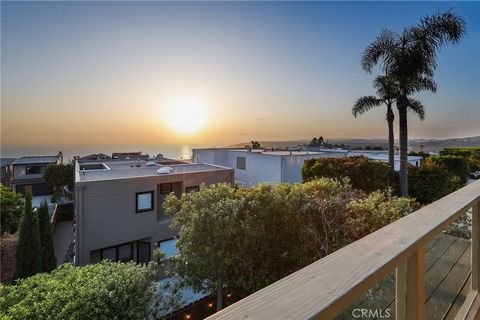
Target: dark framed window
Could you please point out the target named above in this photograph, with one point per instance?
(122, 252)
(144, 201)
(241, 163)
(143, 252)
(35, 170)
(166, 188)
(192, 189)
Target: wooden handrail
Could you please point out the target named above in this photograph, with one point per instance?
(323, 289)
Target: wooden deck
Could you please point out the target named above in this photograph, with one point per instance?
(447, 282)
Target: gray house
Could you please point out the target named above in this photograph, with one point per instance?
(118, 205)
(28, 171)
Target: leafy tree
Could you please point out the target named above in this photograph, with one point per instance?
(49, 262)
(320, 141)
(243, 240)
(28, 250)
(11, 208)
(431, 181)
(314, 142)
(364, 174)
(105, 290)
(255, 145)
(387, 93)
(59, 175)
(410, 60)
(456, 165)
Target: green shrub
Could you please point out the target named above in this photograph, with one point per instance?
(456, 165)
(375, 211)
(365, 174)
(470, 154)
(11, 210)
(430, 182)
(105, 290)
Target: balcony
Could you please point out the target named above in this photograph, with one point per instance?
(405, 260)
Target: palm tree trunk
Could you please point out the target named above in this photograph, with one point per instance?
(391, 145)
(403, 128)
(219, 299)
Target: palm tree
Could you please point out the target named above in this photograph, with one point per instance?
(410, 59)
(387, 93)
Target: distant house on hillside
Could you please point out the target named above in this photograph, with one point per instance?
(93, 156)
(28, 171)
(130, 156)
(262, 166)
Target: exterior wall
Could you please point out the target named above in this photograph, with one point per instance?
(19, 172)
(292, 165)
(106, 213)
(260, 168)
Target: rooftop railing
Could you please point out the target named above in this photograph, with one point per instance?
(325, 288)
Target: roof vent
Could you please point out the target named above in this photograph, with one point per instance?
(164, 170)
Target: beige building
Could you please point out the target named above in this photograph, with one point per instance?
(118, 205)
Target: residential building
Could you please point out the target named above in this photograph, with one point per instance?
(28, 171)
(4, 172)
(118, 205)
(262, 166)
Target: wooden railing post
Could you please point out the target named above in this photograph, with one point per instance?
(410, 287)
(475, 246)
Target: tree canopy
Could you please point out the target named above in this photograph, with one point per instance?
(241, 240)
(11, 208)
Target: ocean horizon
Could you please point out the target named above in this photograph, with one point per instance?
(173, 151)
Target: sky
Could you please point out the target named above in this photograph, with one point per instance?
(107, 73)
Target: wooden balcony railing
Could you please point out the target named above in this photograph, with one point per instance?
(325, 288)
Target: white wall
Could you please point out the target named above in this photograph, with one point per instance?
(292, 165)
(260, 168)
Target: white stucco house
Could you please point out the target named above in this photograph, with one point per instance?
(262, 166)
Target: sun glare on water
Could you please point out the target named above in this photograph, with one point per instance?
(186, 116)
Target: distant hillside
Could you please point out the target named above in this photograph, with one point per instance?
(352, 143)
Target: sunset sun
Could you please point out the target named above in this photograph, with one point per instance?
(186, 116)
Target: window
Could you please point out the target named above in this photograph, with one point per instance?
(168, 247)
(241, 163)
(35, 170)
(143, 252)
(192, 189)
(166, 188)
(144, 201)
(123, 252)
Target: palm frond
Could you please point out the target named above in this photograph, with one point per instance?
(364, 104)
(382, 48)
(417, 108)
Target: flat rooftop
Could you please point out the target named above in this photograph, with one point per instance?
(275, 152)
(135, 169)
(36, 160)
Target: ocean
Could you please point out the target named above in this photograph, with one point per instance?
(173, 151)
